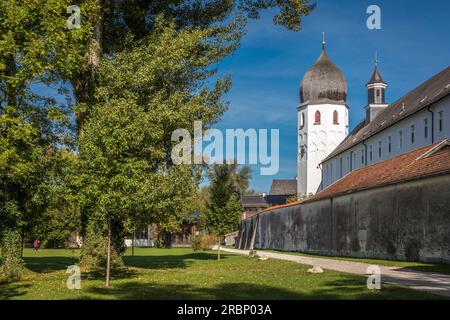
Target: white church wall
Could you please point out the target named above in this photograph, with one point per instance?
(302, 145)
(400, 135)
(318, 140)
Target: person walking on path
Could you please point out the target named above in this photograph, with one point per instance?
(36, 245)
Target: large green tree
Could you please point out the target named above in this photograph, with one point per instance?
(163, 78)
(177, 92)
(144, 94)
(35, 47)
(118, 24)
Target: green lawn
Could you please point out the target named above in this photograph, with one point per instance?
(180, 273)
(443, 268)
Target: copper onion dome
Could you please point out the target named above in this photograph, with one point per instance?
(324, 82)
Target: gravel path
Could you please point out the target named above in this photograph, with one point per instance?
(426, 281)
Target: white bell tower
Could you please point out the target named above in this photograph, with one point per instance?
(322, 120)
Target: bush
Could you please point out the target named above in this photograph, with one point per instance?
(12, 264)
(93, 253)
(196, 243)
(204, 242)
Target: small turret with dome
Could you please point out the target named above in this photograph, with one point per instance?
(376, 88)
(324, 82)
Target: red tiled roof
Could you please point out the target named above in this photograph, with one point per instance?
(405, 167)
(420, 163)
(275, 207)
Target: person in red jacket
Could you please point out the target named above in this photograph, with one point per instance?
(36, 245)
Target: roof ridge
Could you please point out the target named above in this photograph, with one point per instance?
(431, 88)
(435, 149)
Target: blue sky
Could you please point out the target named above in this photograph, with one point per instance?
(413, 45)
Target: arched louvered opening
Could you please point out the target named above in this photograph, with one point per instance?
(317, 117)
(335, 117)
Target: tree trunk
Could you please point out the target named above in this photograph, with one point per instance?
(108, 257)
(85, 83)
(168, 240)
(218, 248)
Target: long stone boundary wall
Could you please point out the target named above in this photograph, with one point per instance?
(407, 221)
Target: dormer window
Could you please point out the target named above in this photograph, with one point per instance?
(317, 117)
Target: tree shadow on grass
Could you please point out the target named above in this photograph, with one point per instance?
(169, 261)
(345, 288)
(116, 274)
(227, 291)
(10, 290)
(155, 291)
(48, 264)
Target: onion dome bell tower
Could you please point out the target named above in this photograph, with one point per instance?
(324, 82)
(375, 94)
(322, 120)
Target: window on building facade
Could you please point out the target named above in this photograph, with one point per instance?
(400, 139)
(340, 167)
(335, 117)
(425, 128)
(352, 157)
(441, 120)
(370, 153)
(331, 171)
(389, 144)
(302, 120)
(379, 149)
(362, 157)
(412, 134)
(317, 117)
